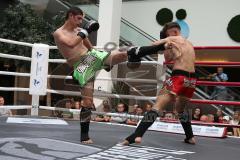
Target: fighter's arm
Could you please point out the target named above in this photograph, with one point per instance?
(173, 46)
(66, 40)
(87, 44)
(164, 42)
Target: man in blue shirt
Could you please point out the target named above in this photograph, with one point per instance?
(220, 92)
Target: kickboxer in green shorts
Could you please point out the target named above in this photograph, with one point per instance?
(73, 43)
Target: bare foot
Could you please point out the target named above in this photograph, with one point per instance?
(125, 143)
(138, 140)
(190, 141)
(87, 142)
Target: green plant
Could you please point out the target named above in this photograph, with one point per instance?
(21, 23)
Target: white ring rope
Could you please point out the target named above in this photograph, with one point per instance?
(16, 42)
(17, 107)
(14, 89)
(123, 115)
(15, 57)
(62, 61)
(70, 77)
(142, 62)
(99, 94)
(15, 74)
(57, 60)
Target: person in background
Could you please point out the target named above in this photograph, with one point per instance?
(104, 118)
(204, 118)
(121, 109)
(77, 105)
(134, 121)
(197, 114)
(235, 121)
(68, 105)
(220, 92)
(169, 116)
(218, 117)
(134, 109)
(148, 107)
(210, 118)
(4, 111)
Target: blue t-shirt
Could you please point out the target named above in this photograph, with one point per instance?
(219, 78)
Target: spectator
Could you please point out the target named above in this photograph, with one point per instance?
(134, 109)
(197, 114)
(134, 121)
(77, 105)
(220, 92)
(204, 118)
(210, 118)
(169, 116)
(104, 118)
(226, 120)
(68, 105)
(148, 107)
(4, 111)
(218, 118)
(121, 109)
(235, 121)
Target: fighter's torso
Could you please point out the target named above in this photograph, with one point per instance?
(182, 47)
(72, 54)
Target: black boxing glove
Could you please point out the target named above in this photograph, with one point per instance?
(163, 35)
(83, 33)
(91, 26)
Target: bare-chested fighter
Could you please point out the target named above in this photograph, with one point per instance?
(76, 48)
(179, 87)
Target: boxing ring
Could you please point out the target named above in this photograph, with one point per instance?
(48, 138)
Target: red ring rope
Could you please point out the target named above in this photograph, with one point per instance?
(215, 102)
(229, 64)
(216, 47)
(210, 83)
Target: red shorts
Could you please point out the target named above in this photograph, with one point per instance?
(181, 85)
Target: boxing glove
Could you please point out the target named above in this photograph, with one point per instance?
(83, 33)
(91, 26)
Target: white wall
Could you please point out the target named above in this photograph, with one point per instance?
(207, 19)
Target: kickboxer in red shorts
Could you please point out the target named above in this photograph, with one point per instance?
(179, 88)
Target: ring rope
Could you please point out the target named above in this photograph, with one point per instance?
(70, 77)
(126, 115)
(16, 42)
(16, 107)
(200, 63)
(216, 47)
(210, 83)
(205, 83)
(99, 94)
(15, 57)
(14, 89)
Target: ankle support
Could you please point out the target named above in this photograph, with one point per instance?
(186, 124)
(85, 117)
(146, 122)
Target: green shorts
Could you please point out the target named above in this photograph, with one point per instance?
(88, 65)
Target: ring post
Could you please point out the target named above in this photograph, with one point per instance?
(38, 75)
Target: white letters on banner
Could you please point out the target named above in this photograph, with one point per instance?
(39, 69)
(209, 131)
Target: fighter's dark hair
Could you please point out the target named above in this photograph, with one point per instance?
(167, 26)
(74, 11)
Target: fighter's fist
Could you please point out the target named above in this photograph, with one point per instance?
(83, 33)
(91, 26)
